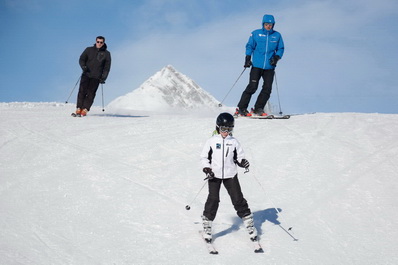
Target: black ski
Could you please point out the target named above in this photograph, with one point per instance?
(75, 115)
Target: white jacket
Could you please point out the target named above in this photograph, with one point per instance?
(220, 155)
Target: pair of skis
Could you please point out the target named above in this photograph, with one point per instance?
(265, 117)
(212, 250)
(77, 115)
(268, 117)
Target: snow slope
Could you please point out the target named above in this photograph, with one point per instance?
(111, 189)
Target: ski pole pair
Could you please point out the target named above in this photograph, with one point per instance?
(276, 85)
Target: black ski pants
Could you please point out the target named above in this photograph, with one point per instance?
(234, 190)
(87, 90)
(263, 97)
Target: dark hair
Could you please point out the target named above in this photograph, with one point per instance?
(101, 38)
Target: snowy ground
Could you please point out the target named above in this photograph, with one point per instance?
(111, 189)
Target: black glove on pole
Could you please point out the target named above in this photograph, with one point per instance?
(209, 173)
(244, 163)
(248, 61)
(274, 60)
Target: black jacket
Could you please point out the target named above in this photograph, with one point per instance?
(97, 61)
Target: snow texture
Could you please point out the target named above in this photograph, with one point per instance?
(112, 189)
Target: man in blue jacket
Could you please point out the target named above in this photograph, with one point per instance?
(266, 46)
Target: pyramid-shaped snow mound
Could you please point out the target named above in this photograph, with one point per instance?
(167, 89)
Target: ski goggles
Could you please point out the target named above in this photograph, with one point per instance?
(225, 129)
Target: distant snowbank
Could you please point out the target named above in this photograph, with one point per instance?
(33, 104)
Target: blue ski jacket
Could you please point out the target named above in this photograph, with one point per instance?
(264, 44)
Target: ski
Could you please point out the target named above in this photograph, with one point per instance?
(209, 244)
(75, 115)
(265, 117)
(257, 246)
(268, 117)
(280, 116)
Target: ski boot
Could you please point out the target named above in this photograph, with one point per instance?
(249, 224)
(77, 113)
(242, 112)
(207, 228)
(83, 112)
(258, 112)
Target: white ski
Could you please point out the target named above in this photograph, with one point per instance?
(257, 247)
(209, 244)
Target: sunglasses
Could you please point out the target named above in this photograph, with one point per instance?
(100, 42)
(226, 129)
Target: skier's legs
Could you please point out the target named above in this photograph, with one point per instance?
(263, 97)
(81, 95)
(234, 190)
(255, 75)
(90, 94)
(213, 199)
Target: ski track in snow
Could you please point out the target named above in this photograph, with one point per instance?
(111, 189)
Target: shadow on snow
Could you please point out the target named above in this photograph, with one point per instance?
(260, 217)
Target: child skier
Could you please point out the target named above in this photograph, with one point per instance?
(219, 157)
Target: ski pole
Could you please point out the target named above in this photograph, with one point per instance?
(277, 92)
(279, 213)
(102, 90)
(269, 199)
(73, 89)
(220, 104)
(187, 207)
(273, 205)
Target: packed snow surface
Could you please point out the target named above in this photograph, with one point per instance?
(112, 189)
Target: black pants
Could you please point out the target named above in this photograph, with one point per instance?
(255, 75)
(87, 90)
(233, 187)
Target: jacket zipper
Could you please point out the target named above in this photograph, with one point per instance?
(266, 51)
(223, 158)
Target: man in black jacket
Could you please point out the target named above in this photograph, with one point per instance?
(95, 62)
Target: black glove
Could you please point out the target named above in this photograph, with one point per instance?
(274, 60)
(244, 163)
(85, 69)
(209, 173)
(102, 81)
(248, 61)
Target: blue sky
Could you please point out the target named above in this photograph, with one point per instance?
(340, 56)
